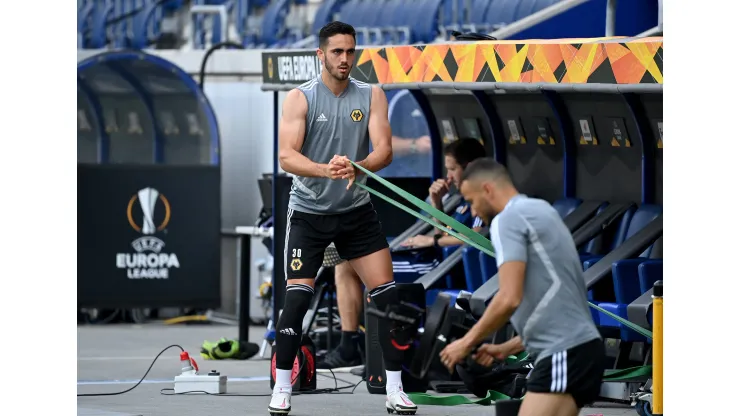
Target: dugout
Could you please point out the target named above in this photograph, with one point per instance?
(147, 141)
(570, 120)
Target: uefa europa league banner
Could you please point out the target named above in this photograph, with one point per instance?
(148, 236)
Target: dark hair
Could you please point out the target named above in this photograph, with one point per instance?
(486, 166)
(465, 150)
(335, 28)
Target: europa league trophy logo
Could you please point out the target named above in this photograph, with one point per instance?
(148, 200)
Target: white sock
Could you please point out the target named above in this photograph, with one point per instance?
(392, 378)
(283, 379)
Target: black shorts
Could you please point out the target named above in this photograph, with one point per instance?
(577, 371)
(355, 234)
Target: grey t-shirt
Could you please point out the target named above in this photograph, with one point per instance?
(335, 125)
(554, 314)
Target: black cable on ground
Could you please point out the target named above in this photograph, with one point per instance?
(170, 391)
(140, 381)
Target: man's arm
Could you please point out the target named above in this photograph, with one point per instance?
(509, 236)
(513, 346)
(501, 351)
(450, 240)
(380, 133)
(291, 134)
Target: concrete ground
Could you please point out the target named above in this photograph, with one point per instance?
(112, 358)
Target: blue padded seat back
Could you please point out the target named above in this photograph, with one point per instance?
(640, 219)
(566, 205)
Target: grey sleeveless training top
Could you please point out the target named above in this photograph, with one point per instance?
(335, 125)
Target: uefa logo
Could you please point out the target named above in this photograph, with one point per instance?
(149, 216)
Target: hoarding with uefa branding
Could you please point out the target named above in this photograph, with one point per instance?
(148, 236)
(290, 67)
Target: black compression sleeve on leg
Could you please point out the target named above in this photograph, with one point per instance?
(384, 295)
(290, 324)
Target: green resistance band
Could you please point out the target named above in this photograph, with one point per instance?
(627, 374)
(640, 330)
(457, 235)
(622, 375)
(465, 234)
(613, 376)
(456, 400)
(483, 243)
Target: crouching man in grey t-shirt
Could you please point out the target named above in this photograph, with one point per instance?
(541, 290)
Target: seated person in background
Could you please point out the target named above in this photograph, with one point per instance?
(410, 265)
(412, 147)
(348, 355)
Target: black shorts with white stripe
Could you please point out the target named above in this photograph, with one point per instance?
(577, 371)
(356, 233)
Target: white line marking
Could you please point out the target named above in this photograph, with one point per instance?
(161, 381)
(147, 358)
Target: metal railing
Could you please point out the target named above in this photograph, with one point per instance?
(220, 12)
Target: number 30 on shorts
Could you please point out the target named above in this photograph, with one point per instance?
(296, 263)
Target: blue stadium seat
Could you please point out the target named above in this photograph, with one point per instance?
(625, 275)
(374, 23)
(243, 10)
(273, 22)
(566, 205)
(396, 30)
(626, 290)
(460, 12)
(85, 16)
(173, 5)
(525, 8)
(240, 20)
(417, 14)
(452, 14)
(325, 14)
(146, 26)
(472, 267)
(632, 278)
(649, 272)
(118, 30)
(502, 13)
(353, 11)
(365, 17)
(642, 217)
(425, 22)
(634, 223)
(530, 7)
(97, 30)
(431, 294)
(446, 251)
(488, 267)
(347, 11)
(478, 23)
(594, 313)
(591, 253)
